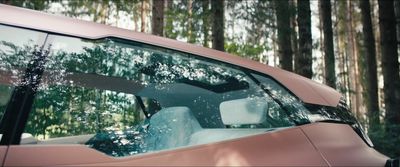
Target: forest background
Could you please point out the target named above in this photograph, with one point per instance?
(350, 45)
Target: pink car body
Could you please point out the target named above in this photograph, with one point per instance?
(318, 143)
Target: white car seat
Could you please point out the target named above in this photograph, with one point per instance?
(170, 128)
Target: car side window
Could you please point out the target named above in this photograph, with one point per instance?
(125, 98)
(15, 53)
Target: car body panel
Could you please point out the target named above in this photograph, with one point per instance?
(318, 144)
(3, 152)
(307, 90)
(286, 147)
(341, 146)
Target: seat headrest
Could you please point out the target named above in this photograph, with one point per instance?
(170, 128)
(244, 111)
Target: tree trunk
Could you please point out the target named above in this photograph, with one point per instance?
(371, 84)
(352, 55)
(397, 12)
(135, 16)
(205, 19)
(359, 58)
(303, 64)
(169, 20)
(284, 37)
(274, 48)
(103, 12)
(217, 7)
(116, 16)
(158, 17)
(320, 71)
(190, 26)
(340, 11)
(143, 13)
(330, 76)
(390, 63)
(293, 30)
(375, 26)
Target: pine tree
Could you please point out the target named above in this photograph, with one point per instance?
(217, 7)
(390, 63)
(205, 20)
(158, 17)
(371, 77)
(303, 62)
(143, 15)
(284, 34)
(326, 16)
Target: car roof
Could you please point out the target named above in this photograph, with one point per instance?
(307, 90)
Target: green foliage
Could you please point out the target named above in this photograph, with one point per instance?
(32, 4)
(245, 50)
(386, 139)
(178, 26)
(99, 10)
(258, 15)
(258, 22)
(76, 110)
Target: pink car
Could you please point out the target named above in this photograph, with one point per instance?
(80, 93)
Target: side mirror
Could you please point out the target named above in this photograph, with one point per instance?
(393, 162)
